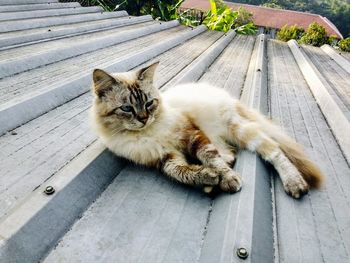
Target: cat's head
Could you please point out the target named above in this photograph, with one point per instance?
(126, 101)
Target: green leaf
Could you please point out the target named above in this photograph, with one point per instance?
(212, 7)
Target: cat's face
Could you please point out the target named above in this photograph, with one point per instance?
(126, 101)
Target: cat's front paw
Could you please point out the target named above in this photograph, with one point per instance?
(209, 176)
(296, 186)
(229, 159)
(231, 182)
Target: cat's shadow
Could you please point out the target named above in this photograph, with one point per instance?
(142, 178)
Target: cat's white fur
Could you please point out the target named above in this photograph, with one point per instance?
(211, 107)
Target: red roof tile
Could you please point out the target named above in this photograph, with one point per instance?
(271, 17)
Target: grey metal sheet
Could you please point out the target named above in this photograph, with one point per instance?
(23, 2)
(40, 149)
(337, 78)
(345, 54)
(41, 78)
(230, 69)
(12, 8)
(28, 37)
(174, 61)
(58, 20)
(337, 56)
(197, 68)
(50, 52)
(37, 48)
(315, 228)
(19, 15)
(330, 105)
(37, 224)
(141, 217)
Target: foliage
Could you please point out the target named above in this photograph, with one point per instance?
(163, 10)
(220, 17)
(315, 35)
(344, 44)
(107, 6)
(223, 19)
(287, 33)
(333, 40)
(243, 17)
(187, 18)
(272, 5)
(159, 9)
(247, 29)
(219, 4)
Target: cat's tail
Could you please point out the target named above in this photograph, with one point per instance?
(295, 153)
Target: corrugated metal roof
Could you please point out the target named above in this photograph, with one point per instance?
(105, 209)
(272, 17)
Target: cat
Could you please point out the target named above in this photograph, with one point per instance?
(196, 120)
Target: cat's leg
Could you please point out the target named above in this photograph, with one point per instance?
(200, 146)
(249, 135)
(175, 166)
(226, 151)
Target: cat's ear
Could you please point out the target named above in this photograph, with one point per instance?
(147, 73)
(103, 82)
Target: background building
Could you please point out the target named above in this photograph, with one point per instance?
(269, 20)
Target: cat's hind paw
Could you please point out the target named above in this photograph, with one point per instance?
(296, 186)
(231, 182)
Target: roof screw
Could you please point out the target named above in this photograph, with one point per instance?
(242, 253)
(13, 133)
(49, 190)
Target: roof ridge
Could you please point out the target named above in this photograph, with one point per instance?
(330, 23)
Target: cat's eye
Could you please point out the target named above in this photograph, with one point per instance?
(126, 108)
(149, 104)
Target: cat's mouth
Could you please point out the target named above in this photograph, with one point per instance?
(139, 126)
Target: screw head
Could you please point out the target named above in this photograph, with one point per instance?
(49, 190)
(242, 253)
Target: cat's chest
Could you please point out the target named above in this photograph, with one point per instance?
(143, 143)
(141, 149)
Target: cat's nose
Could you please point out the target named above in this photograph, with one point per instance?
(142, 118)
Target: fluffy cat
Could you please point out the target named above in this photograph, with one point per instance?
(164, 129)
